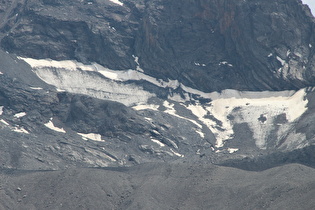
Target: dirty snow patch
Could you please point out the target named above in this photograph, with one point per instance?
(158, 142)
(36, 88)
(201, 134)
(281, 60)
(4, 122)
(20, 130)
(171, 110)
(248, 107)
(91, 136)
(51, 126)
(117, 2)
(176, 153)
(65, 64)
(232, 150)
(225, 63)
(19, 115)
(146, 106)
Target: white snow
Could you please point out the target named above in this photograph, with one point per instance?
(4, 122)
(117, 75)
(20, 130)
(136, 59)
(74, 77)
(270, 55)
(201, 134)
(281, 60)
(36, 88)
(146, 106)
(200, 64)
(117, 2)
(66, 64)
(225, 63)
(94, 85)
(138, 68)
(51, 126)
(176, 153)
(19, 115)
(310, 45)
(249, 107)
(171, 110)
(60, 90)
(158, 142)
(1, 110)
(91, 136)
(109, 74)
(221, 135)
(311, 5)
(1, 73)
(232, 150)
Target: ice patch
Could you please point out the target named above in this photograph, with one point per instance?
(91, 136)
(94, 85)
(66, 64)
(51, 126)
(74, 77)
(117, 75)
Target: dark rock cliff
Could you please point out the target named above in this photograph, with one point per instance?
(206, 44)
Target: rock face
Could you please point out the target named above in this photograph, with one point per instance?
(206, 44)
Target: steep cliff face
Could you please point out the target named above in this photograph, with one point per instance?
(216, 45)
(205, 44)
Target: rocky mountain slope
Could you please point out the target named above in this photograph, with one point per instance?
(159, 186)
(103, 83)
